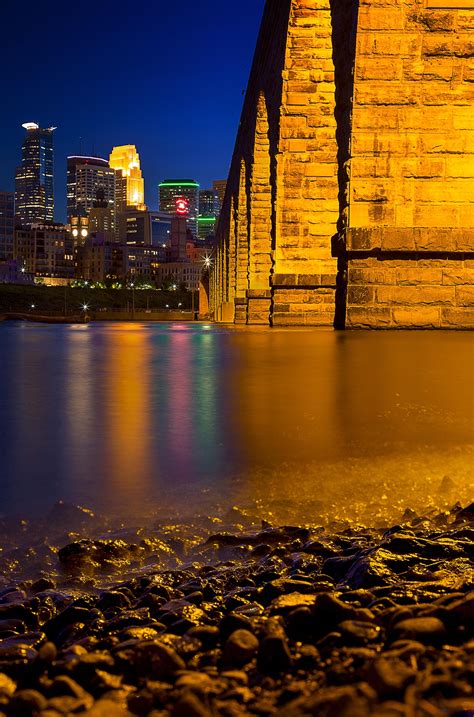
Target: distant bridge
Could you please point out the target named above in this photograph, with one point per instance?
(350, 199)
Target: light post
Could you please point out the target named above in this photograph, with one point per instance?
(133, 300)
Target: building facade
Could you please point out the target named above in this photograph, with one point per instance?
(45, 250)
(130, 185)
(85, 176)
(219, 187)
(7, 225)
(34, 181)
(180, 197)
(145, 227)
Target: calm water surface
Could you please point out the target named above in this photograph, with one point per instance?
(128, 417)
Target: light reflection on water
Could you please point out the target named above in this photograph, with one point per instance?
(123, 417)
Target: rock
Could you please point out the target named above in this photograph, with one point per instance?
(189, 705)
(389, 677)
(27, 703)
(427, 630)
(232, 622)
(150, 658)
(287, 603)
(63, 685)
(274, 654)
(240, 648)
(107, 708)
(7, 686)
(358, 633)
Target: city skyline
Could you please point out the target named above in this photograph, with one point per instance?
(95, 109)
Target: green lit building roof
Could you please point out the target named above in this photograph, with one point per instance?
(179, 183)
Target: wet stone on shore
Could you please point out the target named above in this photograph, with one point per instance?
(288, 621)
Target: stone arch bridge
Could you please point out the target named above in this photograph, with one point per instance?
(350, 198)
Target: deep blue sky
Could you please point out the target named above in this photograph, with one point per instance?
(165, 75)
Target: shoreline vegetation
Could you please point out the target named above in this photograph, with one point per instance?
(293, 621)
(59, 304)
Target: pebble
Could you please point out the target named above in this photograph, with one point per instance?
(288, 621)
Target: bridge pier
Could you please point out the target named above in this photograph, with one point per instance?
(350, 199)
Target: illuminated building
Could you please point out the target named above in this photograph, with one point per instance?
(219, 187)
(102, 216)
(85, 175)
(130, 185)
(7, 225)
(34, 184)
(180, 197)
(145, 227)
(208, 202)
(45, 250)
(79, 229)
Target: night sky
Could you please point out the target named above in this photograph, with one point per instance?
(166, 76)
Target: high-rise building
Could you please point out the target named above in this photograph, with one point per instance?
(35, 176)
(147, 228)
(130, 185)
(208, 203)
(180, 198)
(86, 175)
(7, 225)
(219, 187)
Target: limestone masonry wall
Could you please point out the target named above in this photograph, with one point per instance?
(350, 198)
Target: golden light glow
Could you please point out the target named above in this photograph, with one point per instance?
(127, 160)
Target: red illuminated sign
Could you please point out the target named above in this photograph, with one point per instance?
(182, 206)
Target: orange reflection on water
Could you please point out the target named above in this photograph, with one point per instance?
(127, 431)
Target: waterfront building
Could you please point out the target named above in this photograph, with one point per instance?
(180, 197)
(12, 273)
(130, 185)
(7, 225)
(178, 273)
(34, 183)
(99, 259)
(85, 176)
(45, 250)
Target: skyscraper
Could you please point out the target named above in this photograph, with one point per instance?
(208, 205)
(7, 225)
(130, 185)
(180, 198)
(219, 187)
(85, 176)
(35, 176)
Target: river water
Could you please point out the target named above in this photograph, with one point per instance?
(133, 419)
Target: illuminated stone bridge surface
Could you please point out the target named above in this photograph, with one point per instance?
(350, 198)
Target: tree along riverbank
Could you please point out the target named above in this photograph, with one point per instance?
(70, 301)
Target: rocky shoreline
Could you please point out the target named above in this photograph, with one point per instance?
(287, 621)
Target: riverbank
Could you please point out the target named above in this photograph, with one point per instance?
(70, 301)
(287, 621)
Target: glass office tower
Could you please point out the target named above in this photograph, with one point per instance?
(34, 186)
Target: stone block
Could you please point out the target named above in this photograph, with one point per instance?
(416, 317)
(460, 318)
(465, 295)
(360, 295)
(415, 295)
(368, 317)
